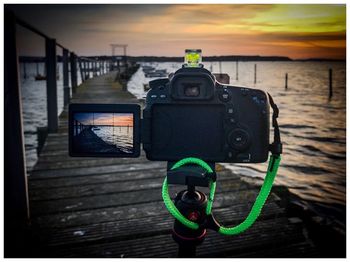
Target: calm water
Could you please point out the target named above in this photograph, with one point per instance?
(120, 136)
(34, 106)
(313, 129)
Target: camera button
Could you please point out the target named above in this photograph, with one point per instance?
(245, 158)
(230, 109)
(239, 139)
(224, 96)
(162, 96)
(231, 121)
(154, 96)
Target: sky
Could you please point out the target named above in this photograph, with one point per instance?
(297, 31)
(116, 119)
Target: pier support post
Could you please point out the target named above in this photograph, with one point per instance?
(73, 72)
(83, 64)
(66, 88)
(80, 63)
(286, 82)
(330, 87)
(41, 137)
(24, 70)
(237, 70)
(51, 85)
(254, 73)
(16, 205)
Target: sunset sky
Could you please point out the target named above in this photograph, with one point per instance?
(296, 31)
(123, 119)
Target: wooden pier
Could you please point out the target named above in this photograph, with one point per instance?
(109, 207)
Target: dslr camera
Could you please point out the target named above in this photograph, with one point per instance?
(188, 114)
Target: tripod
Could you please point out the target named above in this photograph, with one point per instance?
(192, 204)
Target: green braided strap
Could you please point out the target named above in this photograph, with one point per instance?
(259, 202)
(255, 211)
(170, 204)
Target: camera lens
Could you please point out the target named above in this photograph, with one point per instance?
(192, 91)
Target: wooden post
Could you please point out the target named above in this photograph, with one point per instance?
(237, 70)
(41, 133)
(24, 70)
(86, 70)
(254, 73)
(83, 70)
(286, 82)
(330, 94)
(16, 205)
(51, 85)
(66, 88)
(73, 72)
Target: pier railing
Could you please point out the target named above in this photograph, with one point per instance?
(78, 127)
(16, 191)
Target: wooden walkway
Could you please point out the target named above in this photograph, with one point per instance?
(105, 207)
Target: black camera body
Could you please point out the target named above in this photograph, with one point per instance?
(189, 114)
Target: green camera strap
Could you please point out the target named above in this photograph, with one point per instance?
(255, 211)
(275, 158)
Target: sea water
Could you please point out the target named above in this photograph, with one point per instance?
(120, 136)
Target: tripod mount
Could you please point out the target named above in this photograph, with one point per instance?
(192, 204)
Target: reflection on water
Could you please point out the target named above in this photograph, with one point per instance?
(120, 136)
(313, 129)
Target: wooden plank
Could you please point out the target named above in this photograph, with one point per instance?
(116, 187)
(264, 233)
(127, 198)
(86, 171)
(93, 179)
(295, 250)
(110, 177)
(111, 214)
(85, 163)
(135, 227)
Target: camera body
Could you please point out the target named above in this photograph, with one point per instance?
(191, 114)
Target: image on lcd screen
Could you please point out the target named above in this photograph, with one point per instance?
(103, 133)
